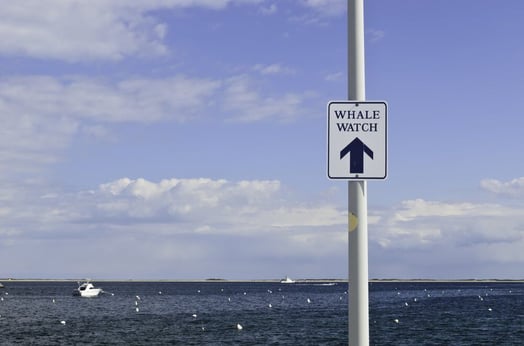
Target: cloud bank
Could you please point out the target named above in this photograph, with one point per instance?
(217, 223)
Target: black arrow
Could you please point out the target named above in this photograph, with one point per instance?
(357, 149)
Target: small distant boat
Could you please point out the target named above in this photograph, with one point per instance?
(287, 280)
(86, 289)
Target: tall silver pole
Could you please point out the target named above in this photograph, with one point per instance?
(357, 191)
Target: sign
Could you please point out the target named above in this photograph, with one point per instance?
(357, 140)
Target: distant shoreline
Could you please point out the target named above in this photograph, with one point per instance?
(297, 281)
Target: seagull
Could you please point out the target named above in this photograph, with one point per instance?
(194, 315)
(63, 322)
(137, 309)
(270, 306)
(239, 326)
(138, 297)
(309, 301)
(396, 320)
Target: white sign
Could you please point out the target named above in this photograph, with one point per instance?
(357, 140)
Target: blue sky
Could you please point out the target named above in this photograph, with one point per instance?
(186, 139)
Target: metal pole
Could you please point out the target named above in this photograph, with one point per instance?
(357, 191)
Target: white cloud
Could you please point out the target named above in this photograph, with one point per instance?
(421, 222)
(40, 114)
(436, 232)
(80, 31)
(327, 7)
(200, 201)
(135, 100)
(76, 30)
(272, 69)
(206, 220)
(337, 76)
(89, 30)
(269, 10)
(375, 35)
(199, 205)
(512, 188)
(246, 104)
(203, 220)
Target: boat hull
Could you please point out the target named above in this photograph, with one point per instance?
(87, 294)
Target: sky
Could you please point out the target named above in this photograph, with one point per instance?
(187, 139)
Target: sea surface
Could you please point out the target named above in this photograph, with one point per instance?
(208, 313)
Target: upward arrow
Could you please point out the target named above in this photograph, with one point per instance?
(357, 149)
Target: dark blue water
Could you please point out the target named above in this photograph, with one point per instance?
(31, 313)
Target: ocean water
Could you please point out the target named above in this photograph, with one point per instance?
(207, 313)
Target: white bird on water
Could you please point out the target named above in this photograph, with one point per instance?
(309, 301)
(63, 322)
(239, 326)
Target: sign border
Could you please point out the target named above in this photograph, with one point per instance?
(385, 139)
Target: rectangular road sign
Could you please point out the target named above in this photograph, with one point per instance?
(357, 140)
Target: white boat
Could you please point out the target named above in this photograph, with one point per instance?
(287, 280)
(86, 289)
